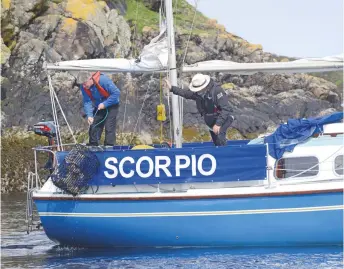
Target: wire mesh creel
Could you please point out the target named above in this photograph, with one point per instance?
(73, 174)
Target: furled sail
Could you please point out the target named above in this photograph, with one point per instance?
(153, 58)
(331, 63)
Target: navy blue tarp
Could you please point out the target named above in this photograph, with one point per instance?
(198, 164)
(287, 136)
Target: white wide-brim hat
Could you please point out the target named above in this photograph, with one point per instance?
(199, 82)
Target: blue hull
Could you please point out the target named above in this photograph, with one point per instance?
(310, 219)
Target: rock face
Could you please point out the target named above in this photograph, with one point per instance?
(34, 31)
(39, 30)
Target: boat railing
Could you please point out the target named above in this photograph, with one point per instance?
(270, 179)
(53, 147)
(33, 184)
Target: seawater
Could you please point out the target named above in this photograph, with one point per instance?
(20, 250)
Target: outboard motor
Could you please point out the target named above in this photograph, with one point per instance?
(47, 129)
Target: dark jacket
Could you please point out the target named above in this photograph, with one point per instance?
(213, 106)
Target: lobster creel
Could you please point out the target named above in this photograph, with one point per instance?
(76, 170)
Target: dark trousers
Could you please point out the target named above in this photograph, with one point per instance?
(221, 139)
(102, 120)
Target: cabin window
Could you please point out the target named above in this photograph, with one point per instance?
(338, 164)
(296, 167)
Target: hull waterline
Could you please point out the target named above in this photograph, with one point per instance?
(286, 220)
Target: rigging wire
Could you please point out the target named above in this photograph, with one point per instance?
(125, 107)
(190, 33)
(138, 119)
(181, 100)
(135, 30)
(64, 116)
(53, 106)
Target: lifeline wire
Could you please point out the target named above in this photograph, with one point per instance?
(316, 164)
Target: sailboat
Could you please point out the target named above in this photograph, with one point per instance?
(271, 192)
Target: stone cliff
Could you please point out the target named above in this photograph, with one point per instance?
(36, 30)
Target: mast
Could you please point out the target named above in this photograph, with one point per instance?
(177, 130)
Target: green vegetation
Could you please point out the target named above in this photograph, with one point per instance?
(183, 17)
(18, 159)
(7, 33)
(140, 16)
(334, 77)
(193, 134)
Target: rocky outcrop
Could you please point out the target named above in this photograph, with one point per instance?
(80, 29)
(34, 31)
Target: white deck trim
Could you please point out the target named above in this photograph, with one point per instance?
(317, 186)
(193, 214)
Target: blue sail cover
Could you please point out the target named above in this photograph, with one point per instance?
(295, 131)
(190, 164)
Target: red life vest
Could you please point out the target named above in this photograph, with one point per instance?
(96, 77)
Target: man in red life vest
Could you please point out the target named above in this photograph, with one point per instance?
(212, 103)
(101, 102)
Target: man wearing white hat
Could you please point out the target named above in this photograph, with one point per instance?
(212, 103)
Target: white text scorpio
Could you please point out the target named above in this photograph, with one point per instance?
(159, 166)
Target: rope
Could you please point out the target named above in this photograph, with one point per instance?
(107, 112)
(161, 124)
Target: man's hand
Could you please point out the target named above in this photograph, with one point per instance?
(101, 106)
(216, 129)
(168, 84)
(90, 120)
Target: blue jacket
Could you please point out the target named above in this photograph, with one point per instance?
(107, 85)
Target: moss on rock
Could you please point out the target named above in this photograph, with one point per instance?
(5, 53)
(18, 159)
(228, 86)
(83, 9)
(69, 25)
(234, 134)
(6, 4)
